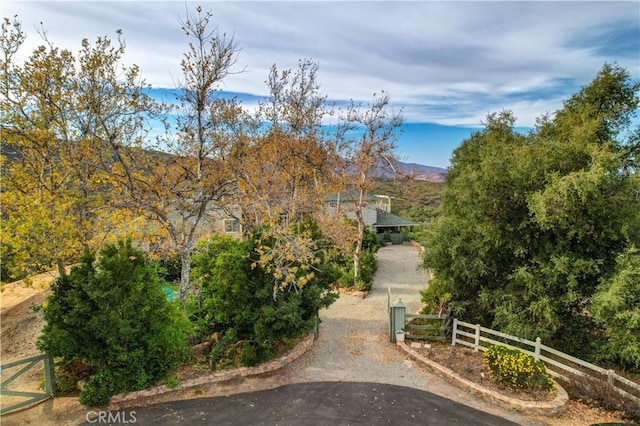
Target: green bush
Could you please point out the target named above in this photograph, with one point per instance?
(68, 374)
(343, 263)
(114, 315)
(236, 297)
(616, 308)
(517, 370)
(171, 266)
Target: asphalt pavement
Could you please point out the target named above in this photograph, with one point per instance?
(309, 404)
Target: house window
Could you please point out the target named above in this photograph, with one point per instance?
(231, 225)
(333, 205)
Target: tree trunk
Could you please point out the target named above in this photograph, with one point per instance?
(357, 254)
(185, 257)
(62, 270)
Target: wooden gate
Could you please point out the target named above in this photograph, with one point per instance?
(30, 398)
(428, 327)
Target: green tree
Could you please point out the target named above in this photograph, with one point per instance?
(530, 224)
(616, 308)
(113, 314)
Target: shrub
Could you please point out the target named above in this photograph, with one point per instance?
(68, 374)
(114, 315)
(237, 297)
(371, 241)
(368, 267)
(435, 297)
(517, 370)
(171, 265)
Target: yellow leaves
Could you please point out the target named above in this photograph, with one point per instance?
(288, 257)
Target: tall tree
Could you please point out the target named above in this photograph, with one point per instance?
(365, 146)
(531, 224)
(283, 169)
(616, 308)
(183, 185)
(284, 164)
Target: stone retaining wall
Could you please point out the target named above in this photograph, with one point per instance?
(222, 376)
(554, 408)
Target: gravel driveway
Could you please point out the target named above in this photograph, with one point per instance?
(353, 343)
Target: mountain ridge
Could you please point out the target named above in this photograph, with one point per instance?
(421, 172)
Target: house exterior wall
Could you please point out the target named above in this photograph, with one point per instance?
(369, 213)
(383, 202)
(223, 223)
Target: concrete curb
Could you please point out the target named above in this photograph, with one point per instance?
(554, 408)
(222, 376)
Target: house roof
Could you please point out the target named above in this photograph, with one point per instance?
(391, 220)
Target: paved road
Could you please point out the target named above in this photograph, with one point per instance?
(309, 404)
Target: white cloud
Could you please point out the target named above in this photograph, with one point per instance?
(445, 62)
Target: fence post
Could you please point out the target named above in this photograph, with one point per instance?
(49, 375)
(536, 353)
(455, 331)
(397, 318)
(610, 374)
(477, 342)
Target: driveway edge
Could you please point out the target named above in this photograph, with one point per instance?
(223, 376)
(554, 408)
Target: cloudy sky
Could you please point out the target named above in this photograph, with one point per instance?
(445, 63)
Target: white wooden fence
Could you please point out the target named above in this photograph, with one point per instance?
(475, 336)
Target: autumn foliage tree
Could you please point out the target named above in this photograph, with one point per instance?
(283, 165)
(63, 116)
(182, 185)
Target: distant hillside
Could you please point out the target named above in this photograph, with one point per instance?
(423, 173)
(414, 171)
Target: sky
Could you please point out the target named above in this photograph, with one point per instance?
(445, 64)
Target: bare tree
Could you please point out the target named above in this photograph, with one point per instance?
(285, 163)
(365, 146)
(182, 183)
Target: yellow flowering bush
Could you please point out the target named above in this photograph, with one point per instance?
(517, 370)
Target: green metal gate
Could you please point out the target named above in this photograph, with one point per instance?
(31, 398)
